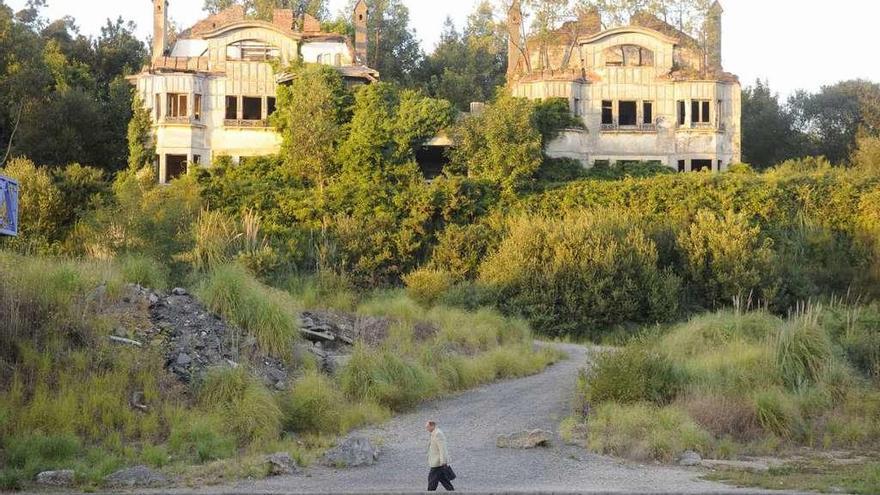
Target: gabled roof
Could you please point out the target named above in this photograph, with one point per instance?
(585, 40)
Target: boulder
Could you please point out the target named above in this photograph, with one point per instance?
(690, 458)
(178, 291)
(352, 452)
(135, 477)
(281, 464)
(524, 440)
(63, 477)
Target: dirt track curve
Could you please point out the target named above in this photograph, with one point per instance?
(472, 421)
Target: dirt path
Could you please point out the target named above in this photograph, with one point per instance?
(472, 422)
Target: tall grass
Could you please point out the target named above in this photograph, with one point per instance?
(248, 409)
(270, 315)
(803, 349)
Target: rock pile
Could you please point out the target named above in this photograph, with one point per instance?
(135, 477)
(195, 339)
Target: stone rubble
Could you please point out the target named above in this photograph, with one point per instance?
(524, 440)
(352, 452)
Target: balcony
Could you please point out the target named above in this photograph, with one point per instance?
(640, 128)
(251, 124)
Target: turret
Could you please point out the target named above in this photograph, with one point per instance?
(360, 31)
(713, 36)
(514, 40)
(160, 28)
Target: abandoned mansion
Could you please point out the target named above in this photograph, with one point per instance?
(644, 92)
(211, 94)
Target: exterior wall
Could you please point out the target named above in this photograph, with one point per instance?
(312, 50)
(662, 140)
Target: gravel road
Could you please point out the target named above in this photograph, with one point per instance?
(472, 421)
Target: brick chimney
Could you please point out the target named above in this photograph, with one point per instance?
(160, 28)
(713, 36)
(360, 32)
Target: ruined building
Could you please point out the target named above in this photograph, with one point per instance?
(645, 92)
(212, 92)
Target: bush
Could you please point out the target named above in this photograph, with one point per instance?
(427, 285)
(201, 437)
(803, 350)
(40, 206)
(314, 405)
(634, 374)
(580, 274)
(561, 170)
(248, 409)
(267, 314)
(386, 378)
(460, 249)
(726, 257)
(724, 416)
(645, 432)
(778, 414)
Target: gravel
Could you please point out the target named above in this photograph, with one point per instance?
(472, 421)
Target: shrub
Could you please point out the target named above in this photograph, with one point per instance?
(201, 437)
(724, 416)
(314, 405)
(386, 378)
(266, 313)
(645, 432)
(726, 256)
(636, 373)
(803, 350)
(460, 249)
(561, 170)
(248, 409)
(778, 414)
(579, 274)
(40, 205)
(427, 285)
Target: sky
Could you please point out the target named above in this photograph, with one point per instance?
(790, 43)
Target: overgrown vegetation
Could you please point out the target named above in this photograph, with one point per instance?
(739, 383)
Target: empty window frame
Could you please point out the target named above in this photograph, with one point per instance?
(270, 105)
(647, 112)
(700, 112)
(175, 166)
(682, 165)
(176, 105)
(197, 107)
(251, 108)
(607, 112)
(627, 113)
(231, 108)
(252, 51)
(682, 113)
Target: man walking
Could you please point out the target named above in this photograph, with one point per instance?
(438, 459)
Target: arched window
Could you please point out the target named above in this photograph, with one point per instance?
(337, 60)
(252, 50)
(628, 56)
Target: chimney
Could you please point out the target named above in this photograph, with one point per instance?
(360, 32)
(713, 36)
(514, 41)
(160, 28)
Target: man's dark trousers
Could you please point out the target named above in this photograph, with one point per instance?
(438, 475)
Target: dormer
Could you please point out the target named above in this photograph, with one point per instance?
(628, 47)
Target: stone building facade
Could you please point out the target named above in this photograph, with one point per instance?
(212, 92)
(645, 92)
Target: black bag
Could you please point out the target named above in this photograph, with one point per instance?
(450, 474)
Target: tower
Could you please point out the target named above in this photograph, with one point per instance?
(713, 36)
(160, 28)
(514, 40)
(360, 32)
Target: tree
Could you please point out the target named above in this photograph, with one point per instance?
(468, 66)
(769, 136)
(502, 144)
(263, 9)
(141, 150)
(392, 47)
(833, 117)
(311, 113)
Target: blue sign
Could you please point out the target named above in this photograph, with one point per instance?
(8, 206)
